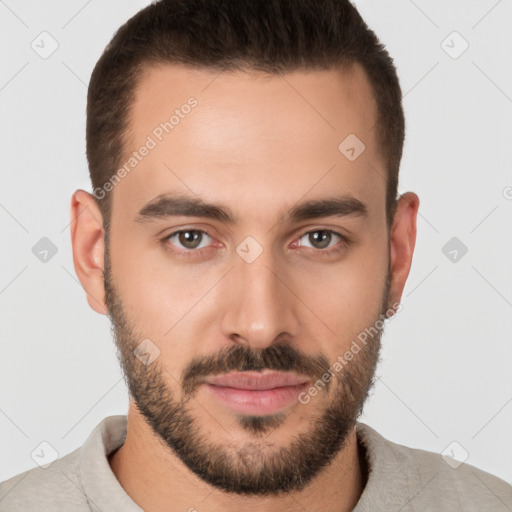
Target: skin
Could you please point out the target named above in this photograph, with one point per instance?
(258, 145)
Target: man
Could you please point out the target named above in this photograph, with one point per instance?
(245, 238)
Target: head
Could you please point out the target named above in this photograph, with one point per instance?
(244, 157)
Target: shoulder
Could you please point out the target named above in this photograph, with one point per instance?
(434, 481)
(444, 479)
(56, 487)
(80, 481)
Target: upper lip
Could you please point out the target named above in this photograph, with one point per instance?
(257, 380)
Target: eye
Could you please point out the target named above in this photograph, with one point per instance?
(189, 239)
(320, 239)
(196, 242)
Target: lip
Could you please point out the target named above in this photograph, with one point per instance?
(257, 381)
(256, 392)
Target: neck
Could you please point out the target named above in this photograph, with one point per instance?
(152, 475)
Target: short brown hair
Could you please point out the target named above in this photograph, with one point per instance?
(273, 36)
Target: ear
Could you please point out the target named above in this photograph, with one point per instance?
(87, 240)
(402, 242)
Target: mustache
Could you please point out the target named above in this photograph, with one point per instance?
(279, 357)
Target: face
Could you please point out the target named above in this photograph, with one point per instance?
(244, 240)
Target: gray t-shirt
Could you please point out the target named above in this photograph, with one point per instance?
(400, 479)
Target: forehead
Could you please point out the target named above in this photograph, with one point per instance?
(247, 137)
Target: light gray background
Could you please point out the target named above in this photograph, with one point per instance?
(446, 371)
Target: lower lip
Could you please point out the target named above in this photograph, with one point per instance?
(250, 401)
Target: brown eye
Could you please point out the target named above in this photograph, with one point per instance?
(320, 238)
(188, 239)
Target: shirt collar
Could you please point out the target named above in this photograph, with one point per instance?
(391, 480)
(388, 485)
(103, 490)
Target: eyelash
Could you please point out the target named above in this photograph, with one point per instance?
(200, 252)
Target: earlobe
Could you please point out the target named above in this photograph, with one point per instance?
(87, 240)
(402, 242)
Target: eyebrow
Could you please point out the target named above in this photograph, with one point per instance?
(169, 205)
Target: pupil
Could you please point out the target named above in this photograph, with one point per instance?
(322, 240)
(189, 239)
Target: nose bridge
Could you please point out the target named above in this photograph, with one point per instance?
(260, 307)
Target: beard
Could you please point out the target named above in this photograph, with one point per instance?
(258, 467)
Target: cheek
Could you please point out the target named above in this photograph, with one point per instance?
(154, 290)
(348, 296)
(160, 298)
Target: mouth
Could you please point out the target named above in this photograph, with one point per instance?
(256, 392)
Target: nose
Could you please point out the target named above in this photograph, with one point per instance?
(260, 305)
